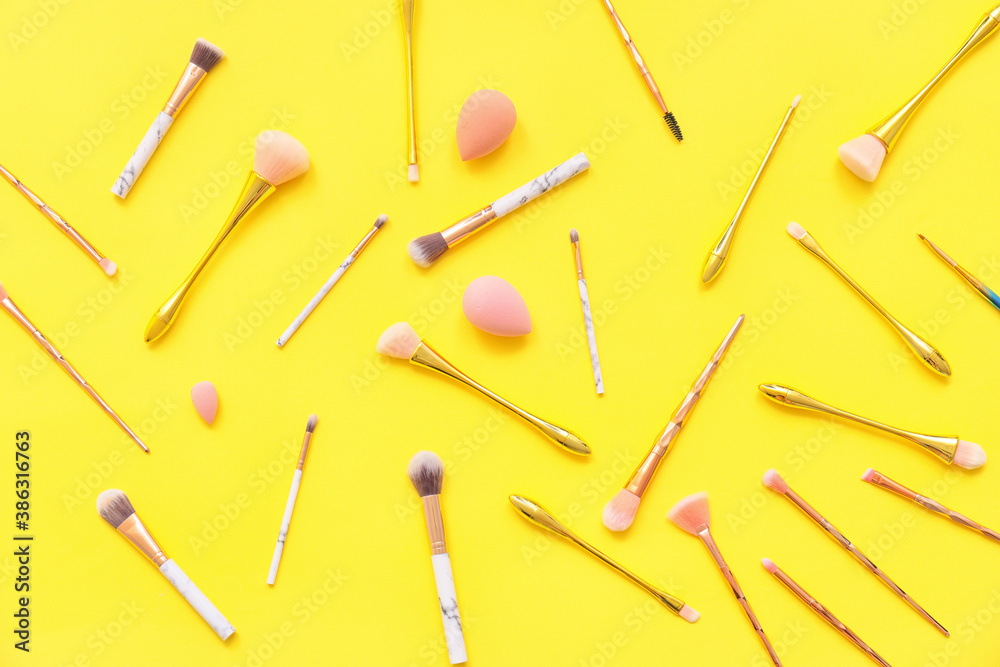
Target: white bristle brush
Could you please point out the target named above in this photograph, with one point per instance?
(293, 494)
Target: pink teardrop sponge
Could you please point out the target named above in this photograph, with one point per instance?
(486, 120)
(493, 305)
(206, 400)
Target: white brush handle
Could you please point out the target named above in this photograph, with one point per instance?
(588, 323)
(293, 493)
(448, 600)
(175, 575)
(154, 135)
(550, 179)
(311, 306)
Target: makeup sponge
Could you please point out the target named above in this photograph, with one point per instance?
(485, 121)
(494, 306)
(206, 400)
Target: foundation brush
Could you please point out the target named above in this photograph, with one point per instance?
(620, 511)
(962, 453)
(976, 283)
(278, 157)
(293, 494)
(115, 508)
(588, 317)
(402, 342)
(539, 516)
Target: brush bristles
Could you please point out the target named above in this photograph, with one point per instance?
(399, 340)
(795, 102)
(795, 230)
(3, 293)
(969, 455)
(382, 219)
(279, 157)
(863, 156)
(114, 507)
(691, 513)
(688, 614)
(869, 475)
(413, 173)
(426, 471)
(311, 424)
(425, 250)
(774, 481)
(674, 127)
(206, 55)
(620, 511)
(769, 565)
(109, 267)
(574, 236)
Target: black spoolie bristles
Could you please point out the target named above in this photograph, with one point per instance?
(674, 127)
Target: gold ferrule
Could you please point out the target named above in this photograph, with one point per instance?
(135, 531)
(364, 242)
(469, 226)
(578, 258)
(304, 450)
(878, 479)
(188, 83)
(435, 525)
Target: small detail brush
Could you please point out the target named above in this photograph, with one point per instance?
(328, 285)
(878, 479)
(293, 494)
(864, 155)
(22, 319)
(691, 514)
(620, 510)
(204, 57)
(978, 284)
(538, 515)
(426, 471)
(106, 264)
(115, 508)
(924, 350)
(413, 172)
(402, 342)
(588, 317)
(776, 483)
(822, 611)
(425, 250)
(278, 157)
(718, 255)
(962, 453)
(644, 71)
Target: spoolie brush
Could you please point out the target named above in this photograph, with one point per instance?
(293, 494)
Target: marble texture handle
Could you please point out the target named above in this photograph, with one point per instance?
(550, 179)
(286, 520)
(588, 323)
(448, 600)
(154, 135)
(176, 576)
(311, 306)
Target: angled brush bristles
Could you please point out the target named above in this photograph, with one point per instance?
(620, 511)
(691, 513)
(279, 157)
(311, 424)
(863, 156)
(206, 55)
(969, 455)
(869, 475)
(114, 507)
(399, 340)
(688, 614)
(425, 250)
(426, 471)
(775, 482)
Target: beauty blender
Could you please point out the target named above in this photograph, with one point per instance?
(494, 306)
(206, 400)
(485, 121)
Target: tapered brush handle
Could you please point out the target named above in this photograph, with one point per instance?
(538, 186)
(448, 602)
(176, 576)
(154, 135)
(286, 520)
(407, 16)
(311, 306)
(960, 519)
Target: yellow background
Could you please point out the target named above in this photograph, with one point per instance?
(84, 80)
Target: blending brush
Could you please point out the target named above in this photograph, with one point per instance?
(962, 453)
(588, 317)
(538, 515)
(402, 342)
(864, 155)
(331, 281)
(924, 350)
(106, 264)
(293, 494)
(425, 250)
(691, 514)
(822, 611)
(426, 471)
(718, 255)
(878, 479)
(115, 508)
(204, 57)
(644, 71)
(978, 284)
(413, 172)
(776, 483)
(278, 157)
(22, 319)
(620, 510)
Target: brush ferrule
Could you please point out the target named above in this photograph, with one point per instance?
(190, 80)
(304, 450)
(364, 242)
(435, 525)
(135, 531)
(878, 479)
(469, 226)
(578, 258)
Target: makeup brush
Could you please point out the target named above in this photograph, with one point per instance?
(413, 172)
(278, 157)
(962, 453)
(539, 516)
(924, 350)
(293, 494)
(426, 471)
(425, 250)
(106, 264)
(775, 482)
(864, 155)
(331, 281)
(644, 71)
(691, 514)
(115, 508)
(620, 510)
(822, 611)
(22, 319)
(718, 255)
(204, 57)
(878, 479)
(402, 342)
(588, 317)
(978, 284)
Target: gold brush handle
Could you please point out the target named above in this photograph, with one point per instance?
(407, 15)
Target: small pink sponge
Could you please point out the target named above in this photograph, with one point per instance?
(485, 121)
(206, 400)
(493, 305)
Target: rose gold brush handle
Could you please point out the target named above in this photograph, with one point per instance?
(639, 62)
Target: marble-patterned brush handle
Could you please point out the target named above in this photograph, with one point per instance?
(154, 135)
(448, 600)
(588, 323)
(176, 576)
(311, 306)
(550, 179)
(286, 520)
